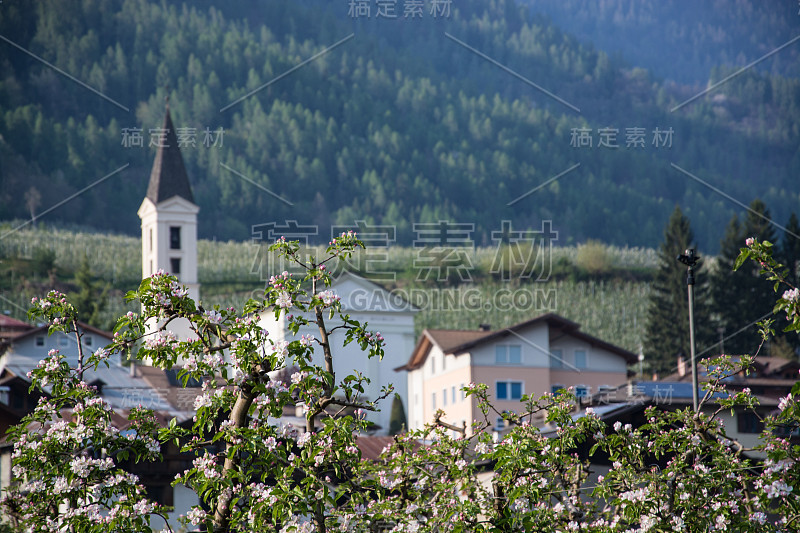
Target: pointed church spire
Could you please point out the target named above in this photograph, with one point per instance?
(168, 177)
(169, 215)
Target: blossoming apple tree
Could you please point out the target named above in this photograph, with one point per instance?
(679, 471)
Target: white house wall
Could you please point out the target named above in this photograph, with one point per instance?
(416, 398)
(533, 342)
(398, 332)
(597, 359)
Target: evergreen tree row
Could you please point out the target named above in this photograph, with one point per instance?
(728, 304)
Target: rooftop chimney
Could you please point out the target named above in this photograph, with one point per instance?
(681, 365)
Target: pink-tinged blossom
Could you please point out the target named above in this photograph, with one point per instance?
(178, 290)
(284, 300)
(749, 241)
(160, 340)
(303, 439)
(281, 348)
(778, 489)
(206, 465)
(481, 448)
(792, 295)
(82, 466)
(214, 361)
(214, 317)
(306, 340)
(196, 516)
(298, 377)
(190, 364)
(784, 402)
(328, 297)
(202, 400)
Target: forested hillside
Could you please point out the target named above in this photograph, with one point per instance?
(695, 36)
(399, 124)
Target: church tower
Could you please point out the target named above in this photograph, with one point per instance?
(169, 216)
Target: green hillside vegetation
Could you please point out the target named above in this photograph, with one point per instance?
(398, 125)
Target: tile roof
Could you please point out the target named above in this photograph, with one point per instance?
(448, 339)
(9, 322)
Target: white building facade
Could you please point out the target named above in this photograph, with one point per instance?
(392, 317)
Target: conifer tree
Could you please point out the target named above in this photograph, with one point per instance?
(667, 330)
(90, 300)
(397, 418)
(790, 249)
(742, 298)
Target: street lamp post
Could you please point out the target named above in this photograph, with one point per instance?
(690, 259)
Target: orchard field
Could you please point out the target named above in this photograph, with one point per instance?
(603, 288)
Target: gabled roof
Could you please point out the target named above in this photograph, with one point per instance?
(168, 177)
(86, 328)
(9, 322)
(460, 341)
(120, 389)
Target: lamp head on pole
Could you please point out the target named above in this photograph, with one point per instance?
(689, 258)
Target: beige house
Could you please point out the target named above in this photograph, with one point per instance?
(534, 357)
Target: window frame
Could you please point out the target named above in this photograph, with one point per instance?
(509, 386)
(175, 238)
(585, 362)
(556, 358)
(502, 354)
(587, 389)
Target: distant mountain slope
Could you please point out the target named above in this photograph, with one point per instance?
(405, 122)
(683, 40)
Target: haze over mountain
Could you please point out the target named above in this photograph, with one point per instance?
(466, 118)
(682, 40)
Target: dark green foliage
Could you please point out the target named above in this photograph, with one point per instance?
(90, 300)
(397, 418)
(43, 262)
(789, 255)
(741, 298)
(667, 330)
(789, 251)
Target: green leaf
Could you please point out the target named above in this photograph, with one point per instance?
(743, 256)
